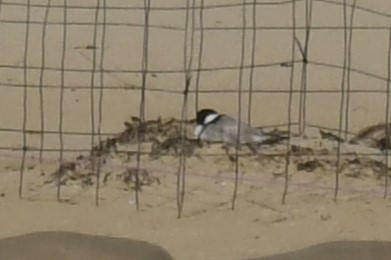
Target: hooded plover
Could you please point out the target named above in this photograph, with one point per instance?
(215, 127)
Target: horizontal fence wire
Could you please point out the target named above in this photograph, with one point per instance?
(205, 7)
(212, 154)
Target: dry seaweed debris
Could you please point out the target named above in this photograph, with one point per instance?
(70, 171)
(373, 136)
(360, 167)
(163, 134)
(151, 130)
(73, 173)
(330, 136)
(129, 175)
(174, 146)
(162, 137)
(309, 166)
(145, 179)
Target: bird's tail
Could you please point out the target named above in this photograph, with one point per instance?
(273, 137)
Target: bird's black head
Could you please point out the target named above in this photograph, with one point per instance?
(203, 113)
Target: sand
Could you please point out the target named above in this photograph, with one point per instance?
(209, 229)
(259, 226)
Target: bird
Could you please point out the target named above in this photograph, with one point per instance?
(215, 127)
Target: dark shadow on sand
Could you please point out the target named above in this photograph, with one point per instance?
(340, 250)
(75, 246)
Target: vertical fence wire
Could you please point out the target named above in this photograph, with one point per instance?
(252, 67)
(61, 103)
(92, 94)
(387, 117)
(187, 63)
(200, 53)
(342, 102)
(95, 156)
(303, 83)
(101, 93)
(25, 98)
(239, 105)
(289, 110)
(41, 82)
(349, 62)
(144, 74)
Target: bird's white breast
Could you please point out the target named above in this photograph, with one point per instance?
(198, 131)
(259, 138)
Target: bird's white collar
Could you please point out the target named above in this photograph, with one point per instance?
(210, 118)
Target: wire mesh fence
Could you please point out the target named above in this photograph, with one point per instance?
(72, 72)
